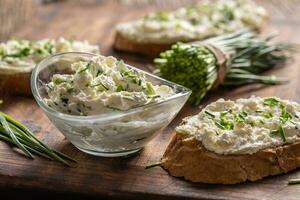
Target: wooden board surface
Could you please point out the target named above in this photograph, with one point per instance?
(126, 177)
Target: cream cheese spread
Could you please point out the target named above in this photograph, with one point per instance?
(195, 22)
(21, 55)
(244, 126)
(102, 85)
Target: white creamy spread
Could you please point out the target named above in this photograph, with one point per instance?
(244, 126)
(102, 85)
(22, 55)
(196, 22)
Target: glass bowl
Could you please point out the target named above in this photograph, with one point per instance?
(111, 134)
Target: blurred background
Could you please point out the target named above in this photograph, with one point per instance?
(17, 14)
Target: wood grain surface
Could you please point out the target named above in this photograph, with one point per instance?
(126, 178)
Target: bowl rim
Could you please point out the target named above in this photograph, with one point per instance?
(105, 116)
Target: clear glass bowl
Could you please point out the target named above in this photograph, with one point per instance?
(113, 134)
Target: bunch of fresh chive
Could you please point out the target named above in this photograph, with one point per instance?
(20, 136)
(196, 66)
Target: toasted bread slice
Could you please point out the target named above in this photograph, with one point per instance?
(150, 49)
(186, 157)
(16, 84)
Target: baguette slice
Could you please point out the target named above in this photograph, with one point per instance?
(186, 157)
(146, 48)
(142, 35)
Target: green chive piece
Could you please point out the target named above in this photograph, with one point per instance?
(98, 84)
(13, 136)
(282, 134)
(196, 67)
(150, 165)
(19, 135)
(268, 115)
(220, 125)
(150, 89)
(294, 181)
(271, 102)
(209, 114)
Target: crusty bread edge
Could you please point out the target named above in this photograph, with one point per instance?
(150, 49)
(186, 157)
(15, 84)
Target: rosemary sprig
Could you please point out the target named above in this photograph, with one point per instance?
(196, 66)
(19, 135)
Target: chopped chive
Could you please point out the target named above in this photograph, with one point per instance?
(119, 88)
(220, 126)
(150, 89)
(100, 83)
(150, 165)
(209, 114)
(99, 72)
(261, 122)
(86, 68)
(282, 134)
(268, 115)
(271, 102)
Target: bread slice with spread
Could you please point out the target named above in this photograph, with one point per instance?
(155, 32)
(230, 142)
(19, 57)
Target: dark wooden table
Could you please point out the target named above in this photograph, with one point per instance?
(126, 178)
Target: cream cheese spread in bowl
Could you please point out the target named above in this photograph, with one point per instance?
(244, 126)
(102, 105)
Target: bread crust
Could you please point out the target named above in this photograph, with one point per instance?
(145, 48)
(15, 84)
(186, 157)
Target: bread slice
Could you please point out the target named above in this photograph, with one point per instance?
(186, 157)
(15, 74)
(15, 84)
(145, 48)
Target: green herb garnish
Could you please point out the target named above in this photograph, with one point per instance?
(100, 84)
(261, 122)
(240, 117)
(150, 89)
(20, 136)
(281, 132)
(268, 115)
(119, 88)
(285, 116)
(85, 68)
(99, 72)
(225, 125)
(271, 102)
(196, 67)
(209, 114)
(294, 181)
(150, 165)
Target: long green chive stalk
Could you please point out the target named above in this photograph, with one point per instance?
(246, 55)
(294, 181)
(17, 134)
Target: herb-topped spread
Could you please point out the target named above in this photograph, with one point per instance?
(102, 85)
(244, 126)
(22, 55)
(195, 22)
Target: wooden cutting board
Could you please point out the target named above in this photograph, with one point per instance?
(126, 178)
